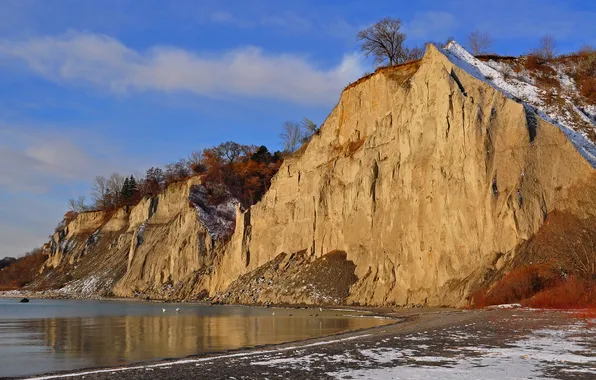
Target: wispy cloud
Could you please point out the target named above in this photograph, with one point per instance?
(106, 63)
(42, 166)
(35, 161)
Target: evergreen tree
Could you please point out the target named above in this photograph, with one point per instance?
(126, 193)
(132, 183)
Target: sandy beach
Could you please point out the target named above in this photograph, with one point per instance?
(446, 344)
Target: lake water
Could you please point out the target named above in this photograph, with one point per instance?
(56, 335)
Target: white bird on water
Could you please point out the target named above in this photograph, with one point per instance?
(177, 310)
(273, 313)
(320, 309)
(163, 310)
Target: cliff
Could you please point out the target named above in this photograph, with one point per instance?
(149, 249)
(424, 180)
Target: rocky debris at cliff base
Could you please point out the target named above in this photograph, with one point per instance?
(296, 278)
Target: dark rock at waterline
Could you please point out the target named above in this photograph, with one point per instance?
(24, 300)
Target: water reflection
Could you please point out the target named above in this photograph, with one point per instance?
(32, 346)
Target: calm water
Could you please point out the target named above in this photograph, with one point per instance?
(55, 335)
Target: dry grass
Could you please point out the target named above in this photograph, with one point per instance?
(400, 73)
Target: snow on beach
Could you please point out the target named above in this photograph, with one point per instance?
(521, 89)
(463, 353)
(490, 344)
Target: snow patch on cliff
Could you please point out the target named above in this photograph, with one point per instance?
(523, 91)
(219, 219)
(87, 287)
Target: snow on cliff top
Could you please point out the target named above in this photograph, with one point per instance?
(523, 91)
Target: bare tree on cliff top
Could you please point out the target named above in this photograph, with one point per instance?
(100, 192)
(479, 42)
(291, 136)
(547, 47)
(115, 184)
(384, 41)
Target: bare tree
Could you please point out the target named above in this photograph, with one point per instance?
(195, 157)
(479, 42)
(115, 184)
(100, 192)
(195, 162)
(309, 126)
(77, 205)
(587, 49)
(72, 204)
(384, 41)
(547, 47)
(229, 150)
(177, 171)
(291, 136)
(414, 54)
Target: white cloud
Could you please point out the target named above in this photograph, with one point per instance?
(41, 168)
(103, 62)
(34, 161)
(26, 221)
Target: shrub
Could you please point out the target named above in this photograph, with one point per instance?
(569, 294)
(588, 89)
(22, 271)
(533, 62)
(519, 284)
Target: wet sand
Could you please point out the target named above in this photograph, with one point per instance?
(448, 344)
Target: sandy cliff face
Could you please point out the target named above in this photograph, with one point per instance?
(426, 177)
(423, 179)
(149, 249)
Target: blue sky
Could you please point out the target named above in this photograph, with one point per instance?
(92, 87)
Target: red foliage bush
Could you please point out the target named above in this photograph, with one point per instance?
(570, 294)
(533, 62)
(519, 284)
(22, 271)
(588, 89)
(539, 286)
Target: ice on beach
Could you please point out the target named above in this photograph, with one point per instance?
(532, 356)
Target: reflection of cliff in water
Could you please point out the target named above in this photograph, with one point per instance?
(113, 340)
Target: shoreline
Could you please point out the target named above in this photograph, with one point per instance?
(421, 343)
(239, 352)
(51, 295)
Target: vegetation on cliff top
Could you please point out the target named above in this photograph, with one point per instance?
(227, 170)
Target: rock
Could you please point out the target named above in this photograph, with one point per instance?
(24, 300)
(402, 177)
(415, 176)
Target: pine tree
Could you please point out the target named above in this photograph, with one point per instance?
(132, 183)
(125, 193)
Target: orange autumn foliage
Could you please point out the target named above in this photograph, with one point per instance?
(22, 271)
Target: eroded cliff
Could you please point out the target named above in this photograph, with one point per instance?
(422, 181)
(427, 178)
(148, 250)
